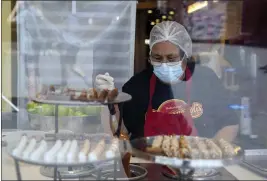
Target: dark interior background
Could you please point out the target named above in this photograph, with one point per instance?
(253, 26)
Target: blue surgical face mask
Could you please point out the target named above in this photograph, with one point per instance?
(169, 74)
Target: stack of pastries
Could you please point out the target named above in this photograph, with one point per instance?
(69, 151)
(94, 95)
(193, 147)
(104, 90)
(87, 95)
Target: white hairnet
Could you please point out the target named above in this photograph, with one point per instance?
(173, 32)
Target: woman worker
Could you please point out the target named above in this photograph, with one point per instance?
(172, 97)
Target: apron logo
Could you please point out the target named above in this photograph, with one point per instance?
(177, 106)
(173, 106)
(196, 110)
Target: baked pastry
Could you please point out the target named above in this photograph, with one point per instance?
(83, 96)
(92, 94)
(113, 94)
(103, 95)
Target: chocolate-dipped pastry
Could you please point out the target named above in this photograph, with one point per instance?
(95, 93)
(92, 95)
(103, 95)
(83, 96)
(113, 94)
(84, 99)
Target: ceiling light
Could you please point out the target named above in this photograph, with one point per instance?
(164, 17)
(157, 20)
(171, 12)
(152, 23)
(149, 11)
(196, 6)
(147, 41)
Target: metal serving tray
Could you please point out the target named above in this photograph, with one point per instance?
(139, 149)
(256, 160)
(50, 139)
(66, 100)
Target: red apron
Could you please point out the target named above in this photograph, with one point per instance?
(158, 123)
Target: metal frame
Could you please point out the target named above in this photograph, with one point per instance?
(132, 45)
(14, 68)
(56, 173)
(20, 64)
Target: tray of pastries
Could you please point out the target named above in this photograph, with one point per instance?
(68, 150)
(54, 94)
(187, 151)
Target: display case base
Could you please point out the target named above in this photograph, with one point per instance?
(65, 173)
(154, 172)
